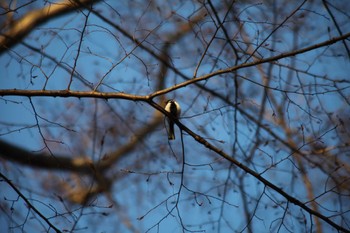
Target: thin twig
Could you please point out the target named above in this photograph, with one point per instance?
(28, 203)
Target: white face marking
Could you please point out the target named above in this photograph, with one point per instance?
(178, 108)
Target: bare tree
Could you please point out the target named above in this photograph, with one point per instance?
(262, 144)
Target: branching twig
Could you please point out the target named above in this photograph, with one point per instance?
(112, 95)
(28, 203)
(269, 184)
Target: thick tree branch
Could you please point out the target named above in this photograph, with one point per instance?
(271, 125)
(23, 26)
(68, 93)
(42, 160)
(13, 153)
(76, 164)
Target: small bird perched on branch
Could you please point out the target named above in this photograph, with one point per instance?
(174, 109)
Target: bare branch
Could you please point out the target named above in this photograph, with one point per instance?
(28, 22)
(28, 203)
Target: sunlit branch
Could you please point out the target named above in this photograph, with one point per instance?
(23, 26)
(112, 95)
(70, 93)
(251, 64)
(264, 114)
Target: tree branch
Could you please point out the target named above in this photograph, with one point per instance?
(28, 203)
(231, 159)
(251, 64)
(69, 93)
(42, 160)
(23, 26)
(112, 95)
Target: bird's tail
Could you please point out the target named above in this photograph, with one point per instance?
(171, 135)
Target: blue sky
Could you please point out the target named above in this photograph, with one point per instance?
(108, 55)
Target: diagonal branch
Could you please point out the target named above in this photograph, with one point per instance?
(113, 95)
(28, 203)
(251, 64)
(253, 173)
(325, 4)
(23, 26)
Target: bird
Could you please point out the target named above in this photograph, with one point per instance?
(174, 109)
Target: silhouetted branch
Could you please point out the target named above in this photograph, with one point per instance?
(16, 154)
(28, 202)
